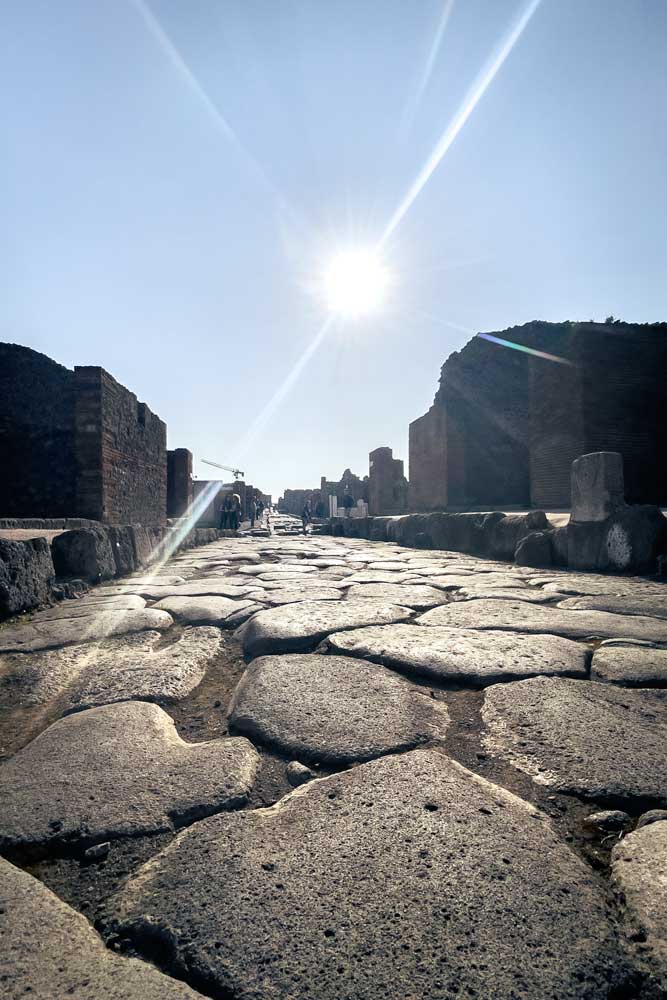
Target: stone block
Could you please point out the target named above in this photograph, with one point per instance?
(507, 531)
(630, 541)
(597, 486)
(26, 575)
(534, 549)
(559, 546)
(142, 544)
(123, 549)
(84, 552)
(378, 529)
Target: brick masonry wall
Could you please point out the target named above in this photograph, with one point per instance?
(37, 461)
(121, 453)
(387, 486)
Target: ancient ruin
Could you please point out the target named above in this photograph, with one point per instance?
(514, 409)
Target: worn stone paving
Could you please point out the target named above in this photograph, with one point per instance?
(396, 774)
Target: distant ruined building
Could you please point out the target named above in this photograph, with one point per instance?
(506, 424)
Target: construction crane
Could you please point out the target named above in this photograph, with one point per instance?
(238, 473)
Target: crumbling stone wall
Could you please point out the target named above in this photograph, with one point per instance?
(387, 485)
(121, 449)
(506, 424)
(37, 461)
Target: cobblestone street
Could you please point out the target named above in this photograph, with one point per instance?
(316, 767)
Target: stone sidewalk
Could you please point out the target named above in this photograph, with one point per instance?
(331, 768)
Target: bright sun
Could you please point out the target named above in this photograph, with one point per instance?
(355, 282)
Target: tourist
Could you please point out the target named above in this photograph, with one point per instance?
(306, 516)
(348, 502)
(225, 512)
(235, 511)
(252, 511)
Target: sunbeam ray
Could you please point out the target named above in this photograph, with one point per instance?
(262, 418)
(469, 104)
(429, 65)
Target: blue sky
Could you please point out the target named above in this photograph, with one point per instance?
(178, 174)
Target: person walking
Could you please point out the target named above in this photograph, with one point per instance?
(348, 502)
(306, 516)
(253, 512)
(225, 512)
(235, 512)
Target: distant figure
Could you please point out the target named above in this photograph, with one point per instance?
(306, 516)
(260, 511)
(235, 512)
(348, 503)
(225, 512)
(253, 512)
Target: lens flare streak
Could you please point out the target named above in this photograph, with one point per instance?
(470, 102)
(526, 350)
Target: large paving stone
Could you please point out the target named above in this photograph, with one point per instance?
(141, 670)
(591, 584)
(463, 655)
(201, 610)
(634, 665)
(417, 596)
(582, 738)
(531, 594)
(297, 628)
(639, 870)
(279, 567)
(85, 553)
(213, 587)
(407, 877)
(87, 609)
(116, 771)
(48, 951)
(525, 617)
(333, 709)
(27, 638)
(291, 595)
(653, 605)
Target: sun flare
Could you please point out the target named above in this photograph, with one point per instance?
(355, 282)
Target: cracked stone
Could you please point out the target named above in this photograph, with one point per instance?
(116, 771)
(507, 615)
(333, 709)
(296, 628)
(27, 638)
(49, 950)
(405, 877)
(463, 655)
(595, 741)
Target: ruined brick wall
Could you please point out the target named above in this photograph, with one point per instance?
(612, 398)
(179, 482)
(37, 461)
(387, 485)
(121, 450)
(428, 461)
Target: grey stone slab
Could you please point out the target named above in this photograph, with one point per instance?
(407, 877)
(277, 567)
(49, 951)
(31, 679)
(166, 580)
(632, 665)
(639, 871)
(291, 595)
(204, 587)
(582, 738)
(146, 671)
(417, 596)
(88, 609)
(244, 614)
(461, 655)
(588, 584)
(297, 628)
(525, 617)
(377, 576)
(201, 610)
(531, 594)
(116, 771)
(653, 605)
(333, 709)
(28, 638)
(389, 565)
